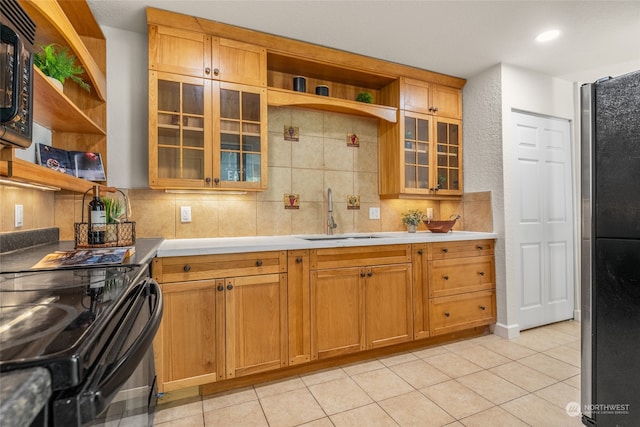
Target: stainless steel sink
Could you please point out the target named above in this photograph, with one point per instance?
(324, 238)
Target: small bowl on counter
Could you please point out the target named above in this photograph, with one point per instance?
(440, 226)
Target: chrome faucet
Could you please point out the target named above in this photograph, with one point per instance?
(331, 224)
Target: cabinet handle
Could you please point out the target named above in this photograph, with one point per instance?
(482, 307)
(481, 273)
(229, 286)
(434, 109)
(447, 314)
(259, 263)
(220, 288)
(187, 268)
(419, 251)
(370, 273)
(216, 71)
(445, 277)
(207, 71)
(299, 260)
(362, 274)
(445, 250)
(479, 247)
(216, 181)
(207, 180)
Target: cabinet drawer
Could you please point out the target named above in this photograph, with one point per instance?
(461, 275)
(459, 312)
(199, 267)
(462, 249)
(360, 256)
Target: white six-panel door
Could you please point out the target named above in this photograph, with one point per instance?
(544, 214)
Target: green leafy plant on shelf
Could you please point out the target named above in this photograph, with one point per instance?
(56, 62)
(364, 97)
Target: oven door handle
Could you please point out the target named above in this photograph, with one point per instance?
(120, 370)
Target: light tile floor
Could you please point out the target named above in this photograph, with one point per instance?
(485, 381)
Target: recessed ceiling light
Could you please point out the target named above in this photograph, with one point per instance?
(547, 36)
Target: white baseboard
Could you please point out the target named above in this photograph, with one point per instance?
(577, 315)
(507, 331)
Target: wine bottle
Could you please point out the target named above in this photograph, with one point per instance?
(97, 218)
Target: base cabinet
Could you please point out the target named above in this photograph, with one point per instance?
(362, 307)
(220, 328)
(459, 312)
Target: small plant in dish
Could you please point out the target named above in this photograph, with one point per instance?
(56, 62)
(411, 217)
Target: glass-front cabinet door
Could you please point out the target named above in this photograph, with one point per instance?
(448, 156)
(241, 141)
(179, 131)
(432, 155)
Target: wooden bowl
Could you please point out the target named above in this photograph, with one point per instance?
(440, 226)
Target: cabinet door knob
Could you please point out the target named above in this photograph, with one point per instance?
(229, 286)
(370, 273)
(482, 307)
(299, 260)
(479, 247)
(481, 273)
(216, 71)
(207, 180)
(220, 288)
(447, 314)
(419, 251)
(434, 109)
(187, 268)
(445, 277)
(362, 274)
(259, 263)
(207, 71)
(445, 250)
(216, 181)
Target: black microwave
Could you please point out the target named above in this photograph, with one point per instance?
(17, 32)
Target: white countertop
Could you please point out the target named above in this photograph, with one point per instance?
(228, 245)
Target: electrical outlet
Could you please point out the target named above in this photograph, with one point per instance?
(185, 213)
(374, 213)
(19, 215)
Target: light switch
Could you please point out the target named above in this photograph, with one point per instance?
(374, 213)
(185, 213)
(19, 215)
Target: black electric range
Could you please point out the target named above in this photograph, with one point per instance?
(90, 327)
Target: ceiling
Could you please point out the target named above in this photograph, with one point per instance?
(459, 38)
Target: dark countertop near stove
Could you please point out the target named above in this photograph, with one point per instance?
(24, 259)
(23, 394)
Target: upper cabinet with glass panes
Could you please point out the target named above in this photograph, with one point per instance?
(207, 112)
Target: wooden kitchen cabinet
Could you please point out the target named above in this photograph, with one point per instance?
(360, 299)
(189, 344)
(196, 54)
(299, 306)
(226, 317)
(430, 98)
(421, 156)
(205, 134)
(461, 278)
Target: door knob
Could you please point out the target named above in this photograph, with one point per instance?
(220, 288)
(186, 268)
(259, 263)
(447, 314)
(299, 260)
(482, 307)
(229, 286)
(445, 250)
(445, 277)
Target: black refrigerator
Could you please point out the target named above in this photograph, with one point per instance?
(610, 265)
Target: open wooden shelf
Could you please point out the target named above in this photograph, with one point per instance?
(54, 110)
(23, 171)
(281, 97)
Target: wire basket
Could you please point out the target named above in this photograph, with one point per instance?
(122, 233)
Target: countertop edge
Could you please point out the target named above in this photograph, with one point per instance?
(229, 245)
(23, 394)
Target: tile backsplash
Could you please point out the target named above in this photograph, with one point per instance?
(321, 158)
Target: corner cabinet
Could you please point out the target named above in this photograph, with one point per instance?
(421, 155)
(207, 112)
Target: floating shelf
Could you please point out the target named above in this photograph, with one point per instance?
(23, 171)
(282, 97)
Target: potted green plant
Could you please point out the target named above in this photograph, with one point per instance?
(364, 97)
(114, 209)
(411, 219)
(56, 62)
